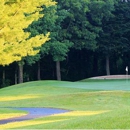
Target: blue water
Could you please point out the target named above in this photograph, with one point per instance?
(33, 113)
(42, 111)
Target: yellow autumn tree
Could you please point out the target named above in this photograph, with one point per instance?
(15, 16)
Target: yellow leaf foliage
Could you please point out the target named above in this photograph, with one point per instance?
(14, 42)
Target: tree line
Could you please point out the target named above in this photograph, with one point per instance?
(87, 38)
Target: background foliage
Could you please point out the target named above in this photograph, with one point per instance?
(88, 38)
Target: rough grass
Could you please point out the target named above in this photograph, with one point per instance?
(107, 100)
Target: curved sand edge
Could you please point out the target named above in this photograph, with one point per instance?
(112, 77)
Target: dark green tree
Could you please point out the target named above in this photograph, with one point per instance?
(84, 21)
(60, 41)
(115, 36)
(58, 45)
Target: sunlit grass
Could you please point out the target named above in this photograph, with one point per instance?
(18, 97)
(37, 122)
(80, 113)
(11, 115)
(26, 123)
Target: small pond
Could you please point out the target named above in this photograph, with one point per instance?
(33, 113)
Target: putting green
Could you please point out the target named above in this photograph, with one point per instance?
(93, 84)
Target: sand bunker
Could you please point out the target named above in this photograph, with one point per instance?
(112, 77)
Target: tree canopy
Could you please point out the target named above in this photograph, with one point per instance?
(15, 16)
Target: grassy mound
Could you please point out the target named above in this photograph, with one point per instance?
(94, 104)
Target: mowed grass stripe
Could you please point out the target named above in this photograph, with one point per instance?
(26, 123)
(11, 115)
(18, 97)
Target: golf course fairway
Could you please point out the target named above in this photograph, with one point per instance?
(87, 104)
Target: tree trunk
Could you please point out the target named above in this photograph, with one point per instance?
(16, 76)
(107, 65)
(38, 72)
(3, 76)
(20, 66)
(95, 64)
(58, 73)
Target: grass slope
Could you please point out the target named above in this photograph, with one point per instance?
(83, 98)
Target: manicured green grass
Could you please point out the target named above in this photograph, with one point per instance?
(8, 110)
(112, 96)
